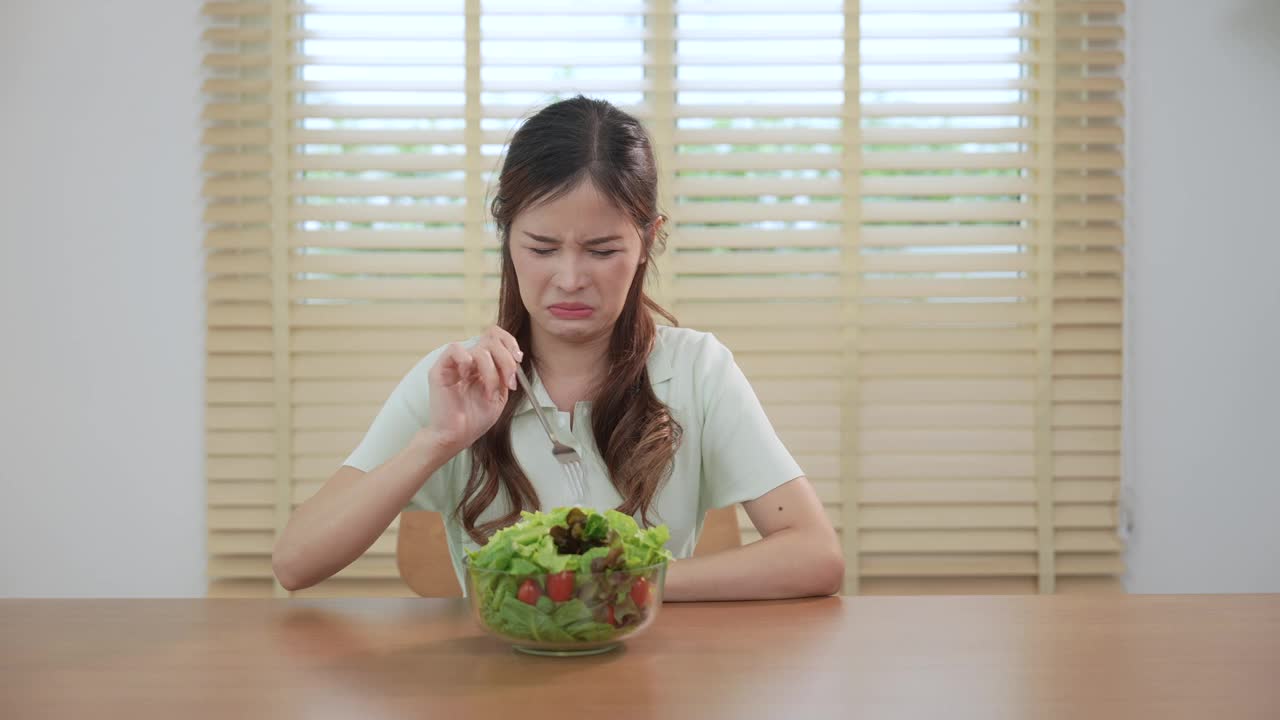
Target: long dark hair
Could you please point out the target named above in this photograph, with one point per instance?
(563, 145)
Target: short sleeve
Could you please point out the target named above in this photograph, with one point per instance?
(404, 413)
(742, 456)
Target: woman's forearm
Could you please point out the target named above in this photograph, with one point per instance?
(348, 514)
(790, 563)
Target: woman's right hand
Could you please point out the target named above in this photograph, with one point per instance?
(469, 388)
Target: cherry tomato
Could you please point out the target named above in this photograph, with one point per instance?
(640, 592)
(560, 586)
(529, 592)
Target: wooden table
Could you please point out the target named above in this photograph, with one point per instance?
(1214, 657)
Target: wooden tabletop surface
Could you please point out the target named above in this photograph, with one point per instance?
(1214, 657)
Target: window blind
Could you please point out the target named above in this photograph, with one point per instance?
(904, 218)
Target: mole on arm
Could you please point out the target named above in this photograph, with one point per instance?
(779, 508)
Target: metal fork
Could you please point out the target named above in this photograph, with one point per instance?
(568, 458)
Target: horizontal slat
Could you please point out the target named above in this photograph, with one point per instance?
(948, 586)
(1096, 541)
(1084, 516)
(746, 186)
(1101, 237)
(905, 236)
(951, 490)
(379, 289)
(240, 543)
(365, 188)
(405, 340)
(1098, 415)
(746, 212)
(946, 212)
(1111, 564)
(942, 541)
(759, 365)
(947, 391)
(903, 441)
(238, 366)
(356, 365)
(228, 392)
(240, 519)
(1066, 339)
(326, 443)
(948, 365)
(879, 185)
(1090, 390)
(749, 238)
(756, 161)
(1087, 466)
(406, 162)
(239, 341)
(711, 288)
(379, 263)
(361, 212)
(929, 288)
(947, 517)
(433, 239)
(239, 443)
(236, 60)
(945, 465)
(255, 213)
(1092, 490)
(960, 565)
(239, 86)
(241, 493)
(946, 110)
(237, 188)
(1092, 364)
(240, 418)
(946, 262)
(236, 162)
(943, 160)
(240, 315)
(237, 239)
(334, 417)
(922, 313)
(752, 263)
(715, 316)
(446, 316)
(945, 416)
(946, 340)
(237, 35)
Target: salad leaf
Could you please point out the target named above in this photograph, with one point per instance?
(600, 550)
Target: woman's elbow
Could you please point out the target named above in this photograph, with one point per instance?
(285, 567)
(830, 572)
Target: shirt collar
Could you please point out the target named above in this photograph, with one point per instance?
(660, 366)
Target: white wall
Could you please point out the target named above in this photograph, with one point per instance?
(100, 299)
(100, 434)
(1204, 291)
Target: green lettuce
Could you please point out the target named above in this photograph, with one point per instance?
(527, 550)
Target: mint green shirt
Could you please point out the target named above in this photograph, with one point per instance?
(729, 453)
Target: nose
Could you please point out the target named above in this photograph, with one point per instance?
(570, 276)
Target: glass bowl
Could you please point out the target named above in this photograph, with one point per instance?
(567, 613)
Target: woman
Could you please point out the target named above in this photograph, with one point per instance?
(665, 422)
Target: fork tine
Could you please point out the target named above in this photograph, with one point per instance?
(579, 488)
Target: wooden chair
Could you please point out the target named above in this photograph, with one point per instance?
(422, 553)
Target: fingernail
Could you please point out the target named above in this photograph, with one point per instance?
(511, 381)
(519, 355)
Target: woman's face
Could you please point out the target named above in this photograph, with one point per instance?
(575, 258)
